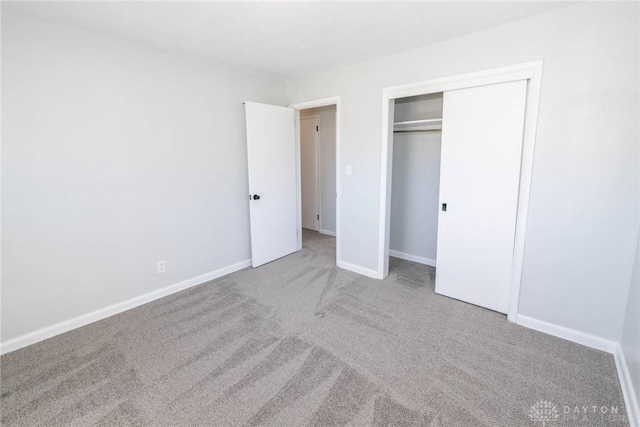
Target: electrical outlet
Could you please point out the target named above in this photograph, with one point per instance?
(348, 169)
(162, 267)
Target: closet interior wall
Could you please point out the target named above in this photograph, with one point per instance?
(416, 181)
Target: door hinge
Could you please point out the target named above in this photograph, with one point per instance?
(318, 217)
(317, 128)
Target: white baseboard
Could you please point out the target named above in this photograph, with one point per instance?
(414, 258)
(327, 232)
(567, 334)
(85, 319)
(628, 392)
(357, 269)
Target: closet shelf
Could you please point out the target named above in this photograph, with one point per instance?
(418, 125)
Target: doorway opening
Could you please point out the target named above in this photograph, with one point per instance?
(417, 138)
(415, 185)
(317, 148)
(275, 181)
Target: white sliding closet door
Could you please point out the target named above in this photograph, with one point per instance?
(271, 152)
(482, 132)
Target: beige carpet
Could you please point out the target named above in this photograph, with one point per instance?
(301, 342)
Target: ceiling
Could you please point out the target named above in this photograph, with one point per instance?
(288, 39)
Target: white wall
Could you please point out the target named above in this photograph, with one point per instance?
(416, 181)
(115, 156)
(584, 196)
(327, 141)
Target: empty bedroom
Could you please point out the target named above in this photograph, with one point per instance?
(296, 213)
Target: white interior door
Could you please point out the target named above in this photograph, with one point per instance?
(482, 131)
(309, 173)
(271, 156)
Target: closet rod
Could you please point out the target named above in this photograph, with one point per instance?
(417, 130)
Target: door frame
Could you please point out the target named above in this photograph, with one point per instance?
(531, 71)
(324, 102)
(318, 153)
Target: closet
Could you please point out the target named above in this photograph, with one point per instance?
(455, 180)
(417, 134)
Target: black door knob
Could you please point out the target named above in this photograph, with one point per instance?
(256, 197)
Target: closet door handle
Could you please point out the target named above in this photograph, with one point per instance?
(444, 207)
(256, 197)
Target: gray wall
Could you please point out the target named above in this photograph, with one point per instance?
(418, 108)
(327, 141)
(630, 341)
(416, 180)
(579, 249)
(115, 156)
